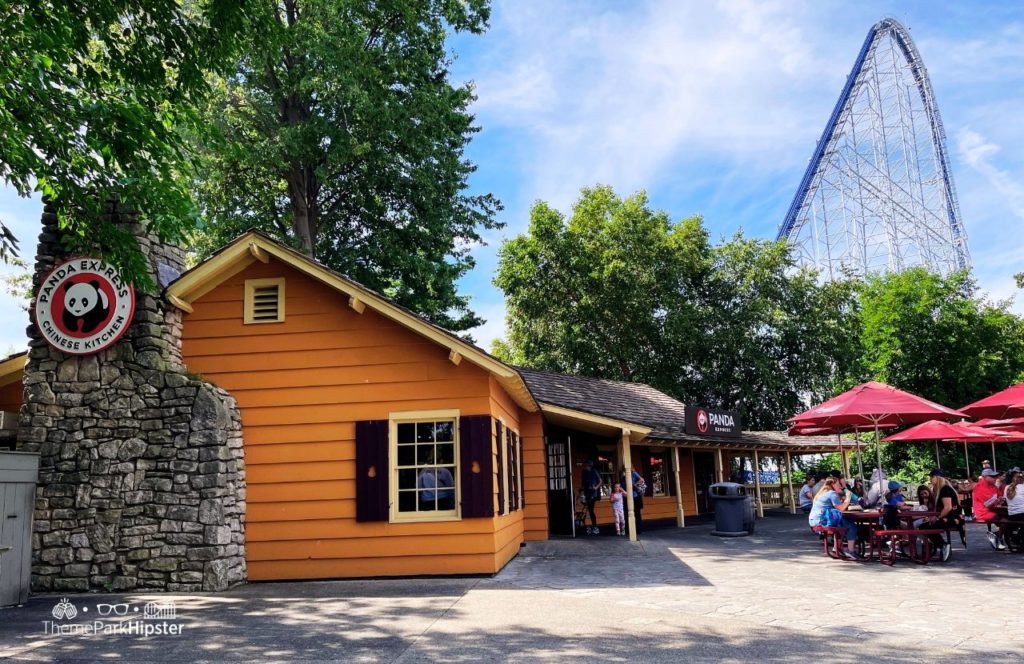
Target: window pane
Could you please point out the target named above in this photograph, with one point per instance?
(445, 480)
(444, 431)
(406, 432)
(425, 432)
(406, 501)
(428, 501)
(406, 455)
(445, 453)
(407, 479)
(424, 455)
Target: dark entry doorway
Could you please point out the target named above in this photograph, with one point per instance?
(703, 477)
(561, 510)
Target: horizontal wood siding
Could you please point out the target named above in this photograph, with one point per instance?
(535, 487)
(301, 385)
(11, 396)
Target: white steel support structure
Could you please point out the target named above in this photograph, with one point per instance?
(878, 194)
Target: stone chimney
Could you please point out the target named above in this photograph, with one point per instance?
(142, 479)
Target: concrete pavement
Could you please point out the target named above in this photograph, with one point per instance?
(678, 595)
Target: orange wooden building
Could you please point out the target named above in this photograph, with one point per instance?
(377, 444)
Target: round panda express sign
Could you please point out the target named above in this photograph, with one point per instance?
(84, 306)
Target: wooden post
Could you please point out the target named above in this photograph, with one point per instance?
(757, 485)
(789, 479)
(696, 498)
(627, 463)
(719, 470)
(846, 461)
(680, 517)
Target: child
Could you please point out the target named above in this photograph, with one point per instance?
(618, 499)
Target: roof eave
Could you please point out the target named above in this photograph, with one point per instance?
(252, 246)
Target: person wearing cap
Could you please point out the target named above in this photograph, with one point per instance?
(986, 496)
(986, 465)
(950, 515)
(894, 496)
(894, 502)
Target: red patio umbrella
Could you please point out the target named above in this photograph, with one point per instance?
(1009, 424)
(1006, 403)
(873, 405)
(991, 435)
(937, 430)
(824, 431)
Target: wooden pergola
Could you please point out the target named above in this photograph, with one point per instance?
(755, 442)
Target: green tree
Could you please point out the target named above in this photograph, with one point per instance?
(620, 291)
(97, 101)
(937, 337)
(346, 139)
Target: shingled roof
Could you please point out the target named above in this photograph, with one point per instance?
(630, 402)
(641, 404)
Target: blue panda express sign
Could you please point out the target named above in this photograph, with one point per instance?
(701, 421)
(83, 306)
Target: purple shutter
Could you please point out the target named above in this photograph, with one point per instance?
(513, 473)
(510, 471)
(372, 500)
(499, 431)
(522, 477)
(475, 450)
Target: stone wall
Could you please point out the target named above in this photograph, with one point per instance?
(142, 479)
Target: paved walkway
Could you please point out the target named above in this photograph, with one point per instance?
(676, 596)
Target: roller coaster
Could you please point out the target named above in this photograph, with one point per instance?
(878, 194)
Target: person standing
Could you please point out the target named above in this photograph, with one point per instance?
(618, 498)
(592, 484)
(639, 489)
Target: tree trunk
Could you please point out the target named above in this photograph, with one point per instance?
(302, 224)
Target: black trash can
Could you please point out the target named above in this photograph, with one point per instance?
(734, 510)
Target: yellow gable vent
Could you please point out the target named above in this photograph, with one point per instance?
(264, 300)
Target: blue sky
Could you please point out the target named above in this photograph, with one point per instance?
(712, 108)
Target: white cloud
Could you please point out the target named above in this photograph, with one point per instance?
(617, 96)
(979, 153)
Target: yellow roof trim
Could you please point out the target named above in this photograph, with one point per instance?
(13, 369)
(207, 275)
(636, 431)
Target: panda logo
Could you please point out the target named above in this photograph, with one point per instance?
(85, 306)
(702, 421)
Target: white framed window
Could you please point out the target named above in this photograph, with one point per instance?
(424, 460)
(264, 301)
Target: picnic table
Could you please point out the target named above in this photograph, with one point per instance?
(899, 539)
